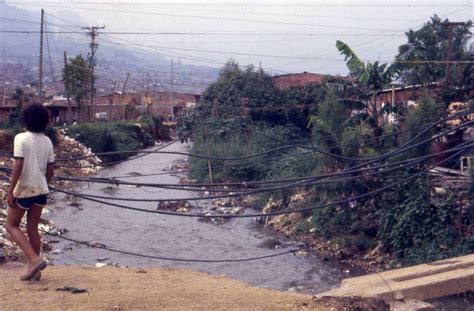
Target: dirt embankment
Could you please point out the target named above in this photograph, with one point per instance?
(112, 288)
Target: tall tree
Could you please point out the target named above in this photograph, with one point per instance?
(430, 43)
(76, 79)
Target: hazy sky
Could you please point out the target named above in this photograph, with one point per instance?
(289, 36)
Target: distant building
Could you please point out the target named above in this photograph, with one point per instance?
(287, 81)
(163, 105)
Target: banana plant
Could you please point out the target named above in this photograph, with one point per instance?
(372, 77)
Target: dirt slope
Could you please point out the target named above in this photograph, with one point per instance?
(112, 288)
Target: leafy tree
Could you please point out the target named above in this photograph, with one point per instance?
(238, 94)
(430, 43)
(76, 79)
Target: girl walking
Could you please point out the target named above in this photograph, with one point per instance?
(32, 173)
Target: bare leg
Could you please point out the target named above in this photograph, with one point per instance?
(33, 218)
(13, 228)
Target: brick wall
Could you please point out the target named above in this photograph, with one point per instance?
(297, 80)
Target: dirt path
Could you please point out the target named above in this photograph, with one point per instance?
(112, 288)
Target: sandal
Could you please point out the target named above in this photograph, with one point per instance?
(37, 277)
(37, 267)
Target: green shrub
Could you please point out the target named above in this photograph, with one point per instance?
(109, 137)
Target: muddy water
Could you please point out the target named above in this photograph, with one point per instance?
(179, 236)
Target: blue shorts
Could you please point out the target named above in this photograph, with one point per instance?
(27, 203)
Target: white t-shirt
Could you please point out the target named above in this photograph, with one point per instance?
(36, 150)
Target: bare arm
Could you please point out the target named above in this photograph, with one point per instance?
(49, 172)
(17, 169)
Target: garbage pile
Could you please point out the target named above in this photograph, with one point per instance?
(69, 148)
(8, 249)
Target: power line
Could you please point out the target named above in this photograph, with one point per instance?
(166, 258)
(65, 21)
(246, 4)
(174, 33)
(254, 54)
(192, 187)
(178, 259)
(345, 18)
(275, 213)
(265, 136)
(295, 182)
(315, 149)
(302, 182)
(217, 18)
(249, 184)
(49, 51)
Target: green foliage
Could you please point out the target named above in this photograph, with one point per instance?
(371, 77)
(470, 197)
(242, 114)
(302, 228)
(430, 42)
(419, 118)
(417, 231)
(76, 78)
(108, 137)
(8, 135)
(353, 62)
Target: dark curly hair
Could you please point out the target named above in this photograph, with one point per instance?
(35, 117)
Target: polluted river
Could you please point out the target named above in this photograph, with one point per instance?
(179, 237)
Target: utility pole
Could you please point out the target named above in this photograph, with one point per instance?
(146, 102)
(93, 33)
(121, 95)
(147, 83)
(125, 84)
(172, 87)
(450, 46)
(260, 72)
(40, 78)
(69, 108)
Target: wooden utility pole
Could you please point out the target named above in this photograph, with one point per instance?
(125, 84)
(172, 87)
(450, 47)
(40, 78)
(121, 95)
(69, 108)
(145, 103)
(93, 33)
(147, 83)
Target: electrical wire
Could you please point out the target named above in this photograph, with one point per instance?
(251, 184)
(315, 149)
(246, 4)
(274, 213)
(49, 51)
(234, 192)
(102, 246)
